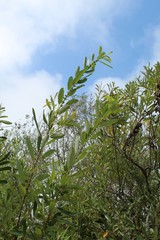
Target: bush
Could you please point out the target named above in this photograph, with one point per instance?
(90, 169)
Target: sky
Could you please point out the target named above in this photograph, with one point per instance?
(43, 41)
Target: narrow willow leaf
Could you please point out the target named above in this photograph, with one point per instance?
(70, 83)
(105, 64)
(60, 95)
(52, 206)
(3, 116)
(22, 189)
(82, 81)
(53, 174)
(38, 232)
(66, 212)
(92, 57)
(44, 118)
(83, 154)
(5, 157)
(85, 61)
(16, 232)
(39, 140)
(75, 89)
(48, 104)
(3, 138)
(48, 153)
(80, 172)
(5, 168)
(3, 181)
(4, 162)
(77, 71)
(5, 122)
(72, 91)
(71, 123)
(90, 71)
(70, 159)
(72, 101)
(57, 136)
(63, 109)
(30, 147)
(83, 137)
(35, 120)
(79, 75)
(110, 122)
(24, 224)
(42, 176)
(100, 50)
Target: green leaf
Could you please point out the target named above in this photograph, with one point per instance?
(3, 138)
(22, 189)
(90, 71)
(77, 71)
(48, 104)
(72, 123)
(57, 135)
(5, 168)
(48, 153)
(72, 91)
(60, 95)
(80, 172)
(42, 177)
(83, 154)
(85, 61)
(39, 140)
(106, 64)
(100, 50)
(16, 232)
(78, 76)
(5, 122)
(30, 147)
(38, 231)
(44, 118)
(110, 122)
(70, 83)
(82, 81)
(63, 109)
(92, 57)
(79, 87)
(24, 224)
(52, 206)
(72, 101)
(4, 162)
(70, 159)
(5, 157)
(35, 119)
(3, 181)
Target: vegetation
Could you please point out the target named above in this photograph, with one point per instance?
(90, 169)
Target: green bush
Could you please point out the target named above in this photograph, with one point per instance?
(90, 169)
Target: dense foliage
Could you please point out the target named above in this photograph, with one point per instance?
(90, 169)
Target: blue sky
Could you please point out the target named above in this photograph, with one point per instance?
(43, 41)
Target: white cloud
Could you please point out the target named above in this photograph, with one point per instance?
(26, 92)
(28, 25)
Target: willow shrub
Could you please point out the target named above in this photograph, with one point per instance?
(38, 191)
(90, 169)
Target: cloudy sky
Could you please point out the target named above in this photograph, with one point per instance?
(43, 41)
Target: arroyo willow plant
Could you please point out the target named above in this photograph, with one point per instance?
(32, 199)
